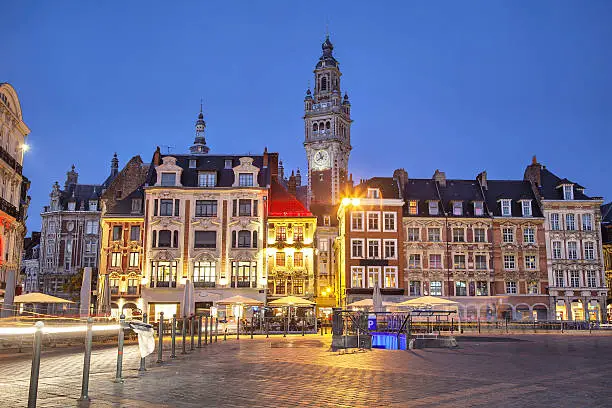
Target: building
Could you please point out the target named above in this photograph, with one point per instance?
(70, 234)
(606, 237)
(369, 244)
(122, 255)
(574, 252)
(13, 193)
(204, 223)
(30, 263)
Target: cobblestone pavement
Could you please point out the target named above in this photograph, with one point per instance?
(537, 371)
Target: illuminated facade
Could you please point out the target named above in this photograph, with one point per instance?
(606, 236)
(13, 193)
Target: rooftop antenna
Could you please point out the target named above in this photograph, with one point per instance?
(168, 148)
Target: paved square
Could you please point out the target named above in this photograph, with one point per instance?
(537, 371)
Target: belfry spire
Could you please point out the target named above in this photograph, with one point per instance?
(199, 144)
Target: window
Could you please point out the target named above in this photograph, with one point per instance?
(193, 163)
(459, 261)
(134, 258)
(572, 250)
(554, 222)
(93, 205)
(480, 235)
(556, 249)
(433, 208)
(204, 274)
(357, 221)
(116, 259)
(587, 222)
(90, 246)
(205, 239)
(415, 288)
(478, 208)
(298, 233)
(165, 207)
(412, 234)
(323, 245)
(559, 279)
(326, 220)
(526, 208)
(412, 207)
(228, 164)
(206, 208)
(457, 208)
(481, 262)
(298, 259)
(574, 279)
(435, 288)
(570, 222)
(244, 239)
(511, 288)
(390, 277)
(117, 232)
(433, 234)
(134, 233)
(207, 179)
(357, 278)
(89, 261)
(244, 208)
(245, 179)
(373, 193)
(530, 262)
(280, 259)
(389, 221)
(482, 288)
(164, 239)
(532, 287)
(281, 233)
(529, 235)
(568, 192)
(357, 248)
(373, 248)
(460, 288)
(435, 261)
(509, 262)
(374, 276)
(91, 227)
(458, 235)
(243, 274)
(168, 179)
(591, 277)
(50, 246)
(136, 205)
(373, 221)
(389, 246)
(414, 261)
(589, 251)
(508, 235)
(71, 206)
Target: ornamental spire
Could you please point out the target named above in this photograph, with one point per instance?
(199, 144)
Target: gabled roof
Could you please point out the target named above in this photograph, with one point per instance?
(514, 190)
(284, 204)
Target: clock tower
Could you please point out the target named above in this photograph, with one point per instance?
(327, 132)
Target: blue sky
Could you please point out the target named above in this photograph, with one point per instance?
(460, 86)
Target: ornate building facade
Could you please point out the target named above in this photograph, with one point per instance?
(606, 237)
(13, 193)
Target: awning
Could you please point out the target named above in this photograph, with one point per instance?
(369, 303)
(39, 298)
(428, 301)
(291, 301)
(239, 300)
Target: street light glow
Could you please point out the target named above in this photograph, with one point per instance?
(56, 329)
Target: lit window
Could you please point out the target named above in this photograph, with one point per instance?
(506, 208)
(568, 192)
(207, 179)
(433, 208)
(374, 276)
(116, 259)
(412, 207)
(298, 233)
(414, 261)
(457, 208)
(390, 277)
(532, 287)
(281, 233)
(459, 261)
(204, 273)
(357, 278)
(478, 208)
(134, 258)
(511, 288)
(509, 262)
(298, 259)
(280, 259)
(526, 208)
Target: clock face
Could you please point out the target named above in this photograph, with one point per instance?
(321, 159)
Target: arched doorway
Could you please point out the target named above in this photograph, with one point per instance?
(504, 312)
(115, 311)
(577, 309)
(522, 312)
(539, 312)
(129, 310)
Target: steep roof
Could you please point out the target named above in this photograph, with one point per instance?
(551, 187)
(284, 204)
(514, 190)
(387, 185)
(423, 190)
(606, 223)
(81, 194)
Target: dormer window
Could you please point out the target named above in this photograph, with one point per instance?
(506, 208)
(207, 179)
(245, 179)
(168, 179)
(526, 205)
(228, 164)
(193, 163)
(412, 207)
(71, 206)
(93, 205)
(433, 208)
(568, 192)
(478, 208)
(373, 193)
(136, 205)
(457, 208)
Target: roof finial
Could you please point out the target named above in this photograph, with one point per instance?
(201, 101)
(534, 160)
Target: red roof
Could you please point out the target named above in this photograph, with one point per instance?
(284, 204)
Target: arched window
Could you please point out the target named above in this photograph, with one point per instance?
(254, 239)
(244, 239)
(175, 239)
(324, 84)
(328, 125)
(315, 127)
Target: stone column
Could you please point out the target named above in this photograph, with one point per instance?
(9, 294)
(568, 309)
(585, 307)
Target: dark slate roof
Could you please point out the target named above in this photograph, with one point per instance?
(82, 194)
(321, 210)
(514, 190)
(606, 223)
(387, 185)
(606, 213)
(124, 206)
(216, 163)
(424, 190)
(551, 187)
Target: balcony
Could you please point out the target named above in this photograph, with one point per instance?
(9, 208)
(132, 290)
(203, 284)
(8, 159)
(163, 284)
(242, 284)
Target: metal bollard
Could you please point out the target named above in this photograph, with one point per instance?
(238, 329)
(173, 335)
(252, 322)
(192, 331)
(143, 359)
(267, 329)
(303, 326)
(225, 334)
(120, 340)
(200, 331)
(160, 337)
(184, 333)
(216, 328)
(210, 330)
(206, 330)
(38, 337)
(87, 361)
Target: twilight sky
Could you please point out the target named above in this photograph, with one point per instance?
(460, 86)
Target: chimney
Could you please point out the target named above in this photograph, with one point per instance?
(401, 178)
(291, 183)
(532, 173)
(72, 178)
(157, 157)
(114, 165)
(273, 165)
(440, 177)
(482, 180)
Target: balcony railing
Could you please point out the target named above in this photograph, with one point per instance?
(163, 284)
(242, 284)
(114, 290)
(203, 284)
(8, 159)
(132, 290)
(9, 208)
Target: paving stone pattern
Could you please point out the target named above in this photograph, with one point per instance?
(539, 371)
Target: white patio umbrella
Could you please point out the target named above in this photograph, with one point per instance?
(369, 303)
(104, 296)
(377, 301)
(188, 305)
